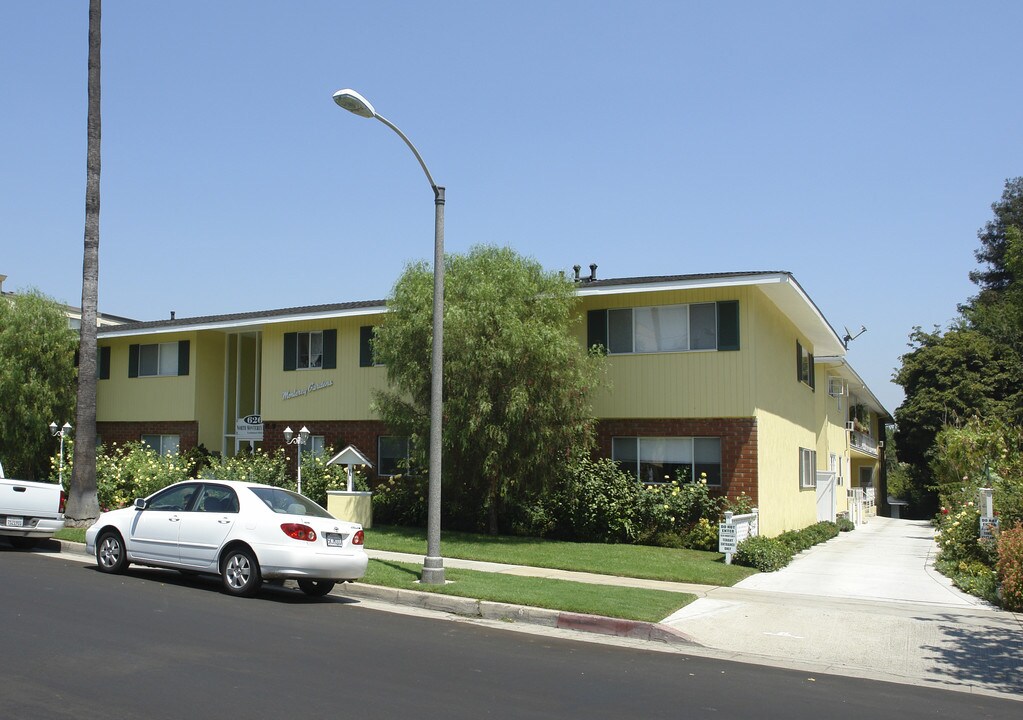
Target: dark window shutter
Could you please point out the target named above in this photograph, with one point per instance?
(329, 349)
(366, 346)
(133, 361)
(596, 329)
(799, 362)
(104, 363)
(813, 379)
(290, 351)
(728, 325)
(183, 347)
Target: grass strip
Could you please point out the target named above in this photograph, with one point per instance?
(637, 561)
(608, 601)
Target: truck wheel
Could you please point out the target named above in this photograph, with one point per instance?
(240, 573)
(111, 556)
(316, 588)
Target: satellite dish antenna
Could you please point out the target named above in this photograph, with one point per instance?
(849, 336)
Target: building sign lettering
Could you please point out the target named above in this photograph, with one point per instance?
(313, 387)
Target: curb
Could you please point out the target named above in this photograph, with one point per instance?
(489, 610)
(503, 612)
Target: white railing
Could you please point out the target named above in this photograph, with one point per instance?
(863, 442)
(856, 511)
(734, 529)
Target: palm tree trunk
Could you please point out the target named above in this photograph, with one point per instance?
(83, 506)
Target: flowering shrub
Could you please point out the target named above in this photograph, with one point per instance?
(401, 500)
(1010, 567)
(134, 470)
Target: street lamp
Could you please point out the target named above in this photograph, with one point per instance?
(433, 563)
(60, 432)
(300, 440)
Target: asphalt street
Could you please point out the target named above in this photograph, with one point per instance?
(154, 644)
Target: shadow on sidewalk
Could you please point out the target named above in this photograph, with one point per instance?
(972, 655)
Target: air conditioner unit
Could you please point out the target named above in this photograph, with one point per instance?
(836, 387)
(849, 426)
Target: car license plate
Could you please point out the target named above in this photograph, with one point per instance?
(15, 522)
(334, 540)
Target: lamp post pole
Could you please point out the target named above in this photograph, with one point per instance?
(299, 440)
(60, 432)
(433, 563)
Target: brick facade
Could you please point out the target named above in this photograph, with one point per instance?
(125, 432)
(337, 434)
(738, 444)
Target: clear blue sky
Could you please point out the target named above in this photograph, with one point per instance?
(858, 145)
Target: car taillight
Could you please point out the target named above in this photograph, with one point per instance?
(359, 538)
(63, 501)
(299, 531)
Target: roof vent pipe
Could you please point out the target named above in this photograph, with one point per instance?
(577, 268)
(172, 314)
(593, 271)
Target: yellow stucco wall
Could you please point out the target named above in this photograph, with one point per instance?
(208, 354)
(346, 392)
(694, 384)
(125, 399)
(786, 422)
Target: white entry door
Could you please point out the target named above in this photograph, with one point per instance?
(825, 496)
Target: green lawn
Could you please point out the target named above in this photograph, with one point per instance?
(639, 561)
(611, 601)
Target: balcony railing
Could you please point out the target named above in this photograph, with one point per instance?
(863, 442)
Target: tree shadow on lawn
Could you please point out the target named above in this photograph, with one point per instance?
(976, 655)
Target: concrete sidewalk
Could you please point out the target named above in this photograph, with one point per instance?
(868, 603)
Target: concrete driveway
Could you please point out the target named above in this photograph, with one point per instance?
(866, 604)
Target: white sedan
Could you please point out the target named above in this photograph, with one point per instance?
(245, 533)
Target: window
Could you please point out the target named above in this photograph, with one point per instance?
(807, 468)
(158, 359)
(162, 444)
(392, 455)
(655, 460)
(366, 358)
(310, 350)
(314, 447)
(217, 499)
(804, 365)
(173, 499)
(103, 363)
(665, 328)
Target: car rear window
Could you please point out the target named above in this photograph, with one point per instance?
(286, 502)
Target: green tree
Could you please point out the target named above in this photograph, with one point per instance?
(83, 504)
(517, 381)
(37, 380)
(997, 275)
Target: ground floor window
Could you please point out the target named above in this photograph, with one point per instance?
(163, 444)
(807, 468)
(655, 460)
(392, 455)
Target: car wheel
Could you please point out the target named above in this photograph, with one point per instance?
(111, 556)
(23, 543)
(316, 588)
(240, 573)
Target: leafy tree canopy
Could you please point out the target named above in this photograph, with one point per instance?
(517, 380)
(998, 273)
(37, 380)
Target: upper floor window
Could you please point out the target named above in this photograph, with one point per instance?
(310, 350)
(158, 359)
(666, 328)
(804, 365)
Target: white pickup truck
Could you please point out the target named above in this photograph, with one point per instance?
(29, 511)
